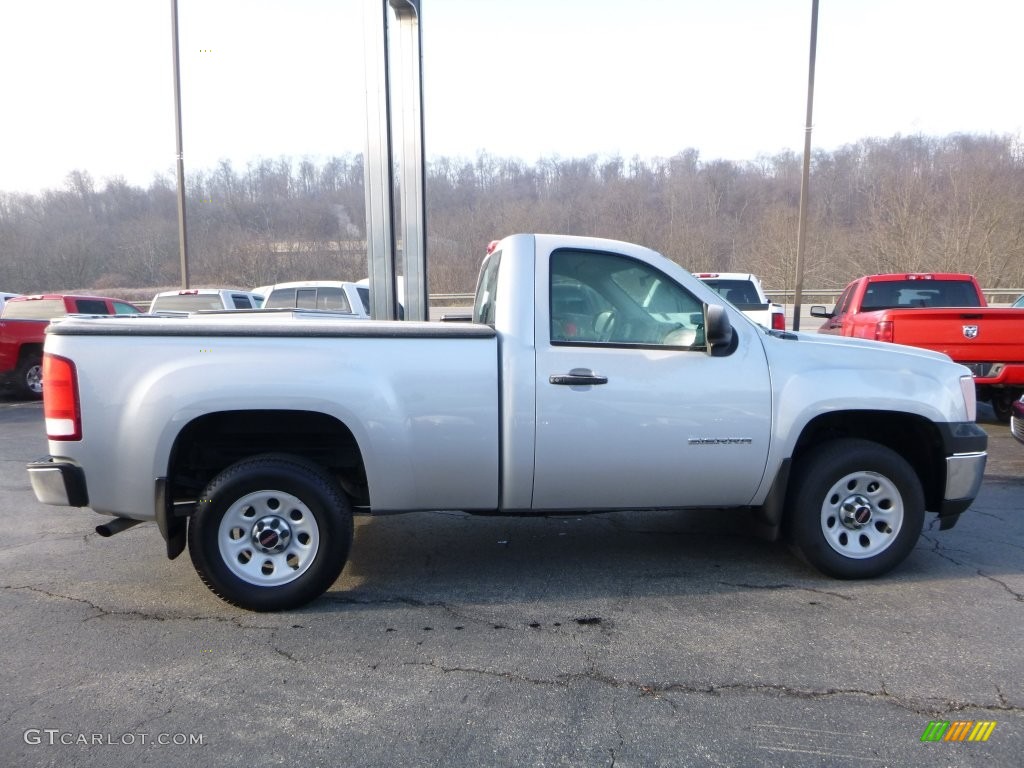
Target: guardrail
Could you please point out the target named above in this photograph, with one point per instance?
(809, 296)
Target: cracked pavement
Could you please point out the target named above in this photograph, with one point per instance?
(628, 639)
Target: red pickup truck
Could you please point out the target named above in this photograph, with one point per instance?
(23, 328)
(945, 312)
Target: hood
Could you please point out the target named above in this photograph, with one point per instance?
(821, 340)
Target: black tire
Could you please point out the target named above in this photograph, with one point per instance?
(874, 490)
(270, 533)
(29, 377)
(1002, 407)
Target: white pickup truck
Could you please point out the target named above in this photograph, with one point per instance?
(333, 295)
(743, 290)
(596, 375)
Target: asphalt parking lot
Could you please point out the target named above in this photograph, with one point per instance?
(625, 639)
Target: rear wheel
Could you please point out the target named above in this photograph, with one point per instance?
(856, 509)
(270, 533)
(29, 377)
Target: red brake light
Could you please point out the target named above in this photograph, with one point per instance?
(705, 275)
(491, 246)
(883, 331)
(60, 399)
(778, 321)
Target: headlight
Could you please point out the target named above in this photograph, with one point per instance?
(970, 398)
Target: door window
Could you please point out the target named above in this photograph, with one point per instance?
(603, 298)
(843, 302)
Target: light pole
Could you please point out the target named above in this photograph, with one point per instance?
(801, 240)
(182, 237)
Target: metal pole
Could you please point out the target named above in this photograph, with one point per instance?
(412, 168)
(390, 112)
(801, 242)
(182, 236)
(378, 174)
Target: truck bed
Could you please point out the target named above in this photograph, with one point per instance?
(422, 397)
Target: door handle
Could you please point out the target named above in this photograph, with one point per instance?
(578, 379)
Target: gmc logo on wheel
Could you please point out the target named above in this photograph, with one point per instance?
(970, 331)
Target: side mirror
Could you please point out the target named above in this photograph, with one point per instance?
(718, 332)
(819, 311)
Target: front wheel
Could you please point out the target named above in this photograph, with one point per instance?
(270, 533)
(856, 509)
(1002, 407)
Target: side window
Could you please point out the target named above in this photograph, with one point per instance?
(603, 298)
(280, 299)
(364, 297)
(487, 290)
(90, 307)
(121, 308)
(332, 298)
(240, 301)
(305, 298)
(843, 302)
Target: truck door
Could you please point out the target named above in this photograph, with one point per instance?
(631, 410)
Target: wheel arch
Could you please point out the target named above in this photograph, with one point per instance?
(211, 442)
(915, 438)
(26, 351)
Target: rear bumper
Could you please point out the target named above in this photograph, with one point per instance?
(1005, 374)
(58, 482)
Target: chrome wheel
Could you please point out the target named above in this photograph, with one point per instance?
(268, 538)
(34, 379)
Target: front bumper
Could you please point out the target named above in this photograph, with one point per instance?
(1017, 420)
(965, 445)
(964, 473)
(58, 482)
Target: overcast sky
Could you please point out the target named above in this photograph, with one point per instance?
(87, 84)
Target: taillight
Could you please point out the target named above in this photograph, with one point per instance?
(778, 321)
(883, 331)
(60, 399)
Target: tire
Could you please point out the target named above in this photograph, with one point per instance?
(856, 509)
(29, 377)
(1002, 407)
(270, 533)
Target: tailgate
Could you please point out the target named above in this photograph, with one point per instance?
(966, 335)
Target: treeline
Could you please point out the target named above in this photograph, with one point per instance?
(901, 204)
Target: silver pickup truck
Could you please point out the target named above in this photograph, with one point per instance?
(596, 375)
